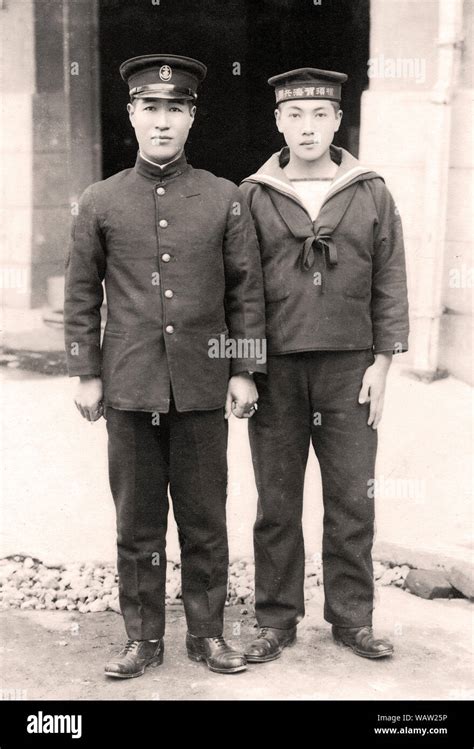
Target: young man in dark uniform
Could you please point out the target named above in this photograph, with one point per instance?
(177, 250)
(336, 308)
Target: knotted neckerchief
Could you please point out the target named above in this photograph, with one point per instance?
(317, 235)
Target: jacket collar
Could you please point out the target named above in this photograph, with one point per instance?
(148, 169)
(349, 170)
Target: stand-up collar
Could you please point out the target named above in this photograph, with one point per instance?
(155, 172)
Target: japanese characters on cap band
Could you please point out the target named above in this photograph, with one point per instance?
(308, 92)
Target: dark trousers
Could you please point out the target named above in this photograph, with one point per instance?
(313, 397)
(187, 453)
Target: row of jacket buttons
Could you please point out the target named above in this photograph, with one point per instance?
(163, 223)
(166, 258)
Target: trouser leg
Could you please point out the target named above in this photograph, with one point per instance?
(346, 449)
(138, 474)
(198, 484)
(279, 435)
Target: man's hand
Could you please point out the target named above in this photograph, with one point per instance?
(373, 387)
(242, 396)
(88, 398)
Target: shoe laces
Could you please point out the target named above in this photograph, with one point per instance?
(262, 632)
(219, 641)
(131, 646)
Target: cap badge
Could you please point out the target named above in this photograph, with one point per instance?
(165, 72)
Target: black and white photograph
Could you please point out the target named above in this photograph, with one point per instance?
(236, 363)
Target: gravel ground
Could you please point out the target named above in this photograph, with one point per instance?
(27, 583)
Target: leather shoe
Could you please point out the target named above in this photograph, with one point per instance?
(269, 643)
(362, 641)
(134, 658)
(217, 654)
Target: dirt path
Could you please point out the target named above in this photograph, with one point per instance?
(60, 655)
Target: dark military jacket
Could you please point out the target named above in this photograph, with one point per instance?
(339, 282)
(177, 250)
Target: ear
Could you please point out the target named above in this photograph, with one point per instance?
(131, 112)
(192, 113)
(278, 119)
(338, 120)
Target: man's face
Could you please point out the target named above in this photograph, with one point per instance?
(161, 127)
(308, 126)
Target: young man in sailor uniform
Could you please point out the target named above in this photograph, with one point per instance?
(336, 309)
(177, 250)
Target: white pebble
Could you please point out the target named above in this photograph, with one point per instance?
(97, 606)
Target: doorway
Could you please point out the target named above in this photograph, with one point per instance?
(234, 131)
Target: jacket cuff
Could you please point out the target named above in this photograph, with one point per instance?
(247, 365)
(389, 346)
(87, 361)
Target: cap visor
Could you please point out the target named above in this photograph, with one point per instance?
(170, 96)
